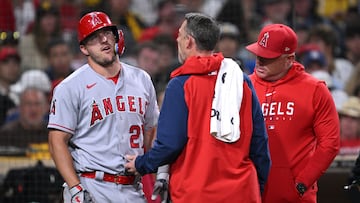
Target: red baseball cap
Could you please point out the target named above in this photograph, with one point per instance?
(273, 41)
(7, 52)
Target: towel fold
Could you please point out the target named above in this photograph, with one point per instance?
(225, 120)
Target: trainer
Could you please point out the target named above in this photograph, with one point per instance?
(211, 129)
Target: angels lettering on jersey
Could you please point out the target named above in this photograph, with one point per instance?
(278, 110)
(105, 107)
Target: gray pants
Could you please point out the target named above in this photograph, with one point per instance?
(107, 192)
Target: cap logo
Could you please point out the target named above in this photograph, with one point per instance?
(95, 20)
(264, 40)
(287, 49)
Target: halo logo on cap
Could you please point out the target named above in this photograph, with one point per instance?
(274, 40)
(264, 40)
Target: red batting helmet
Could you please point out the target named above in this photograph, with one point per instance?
(92, 22)
(120, 46)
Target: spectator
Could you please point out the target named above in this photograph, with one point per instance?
(233, 11)
(314, 60)
(60, 61)
(168, 22)
(315, 63)
(25, 12)
(212, 7)
(167, 60)
(326, 39)
(270, 11)
(352, 38)
(352, 42)
(69, 12)
(350, 127)
(32, 46)
(91, 5)
(127, 21)
(9, 74)
(275, 11)
(229, 44)
(30, 128)
(32, 78)
(302, 32)
(335, 12)
(305, 14)
(192, 5)
(339, 96)
(147, 57)
(146, 10)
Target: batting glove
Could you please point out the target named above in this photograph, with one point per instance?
(161, 185)
(80, 195)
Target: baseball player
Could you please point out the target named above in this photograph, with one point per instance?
(102, 111)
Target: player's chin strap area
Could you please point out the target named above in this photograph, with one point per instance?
(113, 178)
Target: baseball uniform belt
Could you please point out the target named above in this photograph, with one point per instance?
(113, 178)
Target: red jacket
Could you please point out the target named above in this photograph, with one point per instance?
(203, 168)
(303, 129)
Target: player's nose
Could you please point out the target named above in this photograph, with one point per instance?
(102, 38)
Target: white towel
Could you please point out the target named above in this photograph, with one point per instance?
(225, 120)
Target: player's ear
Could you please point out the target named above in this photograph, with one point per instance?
(84, 50)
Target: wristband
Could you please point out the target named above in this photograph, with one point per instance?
(76, 189)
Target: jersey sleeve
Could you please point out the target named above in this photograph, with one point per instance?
(63, 110)
(152, 110)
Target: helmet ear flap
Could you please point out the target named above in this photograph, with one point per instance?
(120, 46)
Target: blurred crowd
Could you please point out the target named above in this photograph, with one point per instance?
(39, 48)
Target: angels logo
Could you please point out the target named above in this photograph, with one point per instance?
(95, 20)
(96, 113)
(52, 109)
(264, 40)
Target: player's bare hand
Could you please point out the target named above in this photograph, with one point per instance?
(130, 165)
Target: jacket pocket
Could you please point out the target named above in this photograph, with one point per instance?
(280, 186)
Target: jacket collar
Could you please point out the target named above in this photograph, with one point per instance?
(199, 65)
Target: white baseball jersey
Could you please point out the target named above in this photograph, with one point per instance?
(107, 120)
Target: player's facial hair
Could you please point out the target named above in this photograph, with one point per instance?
(104, 63)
